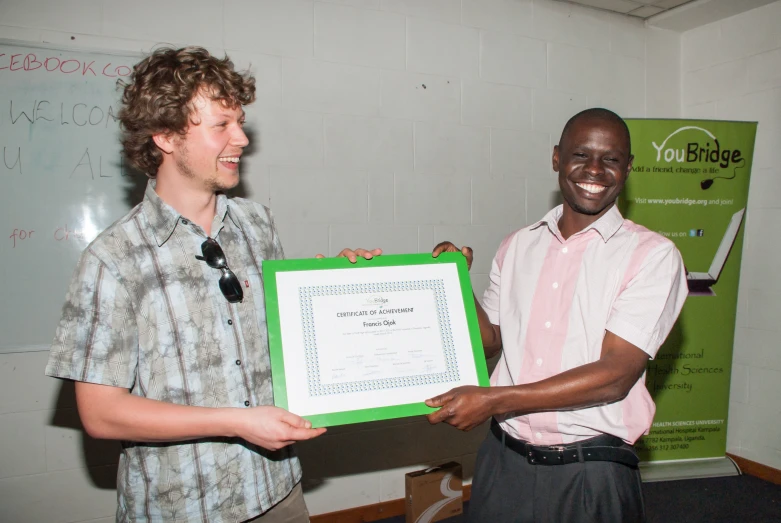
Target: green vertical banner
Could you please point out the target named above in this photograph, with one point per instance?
(690, 182)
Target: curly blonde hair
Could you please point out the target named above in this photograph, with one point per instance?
(158, 97)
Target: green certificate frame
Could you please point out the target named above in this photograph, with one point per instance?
(470, 356)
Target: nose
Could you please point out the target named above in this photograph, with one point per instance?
(594, 167)
(240, 138)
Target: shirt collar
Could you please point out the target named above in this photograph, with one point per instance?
(607, 225)
(163, 218)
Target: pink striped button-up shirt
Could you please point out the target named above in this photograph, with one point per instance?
(555, 298)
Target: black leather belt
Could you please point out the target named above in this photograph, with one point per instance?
(600, 448)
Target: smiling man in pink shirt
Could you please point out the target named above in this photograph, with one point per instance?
(577, 304)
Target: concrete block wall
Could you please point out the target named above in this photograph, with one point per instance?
(731, 70)
(386, 123)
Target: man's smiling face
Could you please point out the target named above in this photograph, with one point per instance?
(208, 154)
(593, 161)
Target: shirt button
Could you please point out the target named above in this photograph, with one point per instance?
(547, 325)
(185, 222)
(238, 362)
(246, 403)
(539, 362)
(555, 285)
(538, 435)
(230, 322)
(564, 250)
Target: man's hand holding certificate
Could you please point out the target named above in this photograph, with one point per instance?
(353, 342)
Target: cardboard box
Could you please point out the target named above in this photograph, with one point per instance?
(434, 494)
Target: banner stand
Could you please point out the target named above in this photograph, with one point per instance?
(689, 183)
(651, 471)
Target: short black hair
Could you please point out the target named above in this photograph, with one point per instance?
(598, 113)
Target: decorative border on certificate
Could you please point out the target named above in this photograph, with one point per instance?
(316, 388)
(338, 357)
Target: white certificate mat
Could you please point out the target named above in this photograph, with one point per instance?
(356, 340)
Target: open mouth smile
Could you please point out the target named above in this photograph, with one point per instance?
(591, 188)
(230, 162)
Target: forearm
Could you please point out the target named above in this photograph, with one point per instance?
(132, 418)
(590, 385)
(489, 333)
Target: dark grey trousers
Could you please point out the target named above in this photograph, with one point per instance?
(507, 489)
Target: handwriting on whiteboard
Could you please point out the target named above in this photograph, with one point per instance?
(60, 234)
(82, 164)
(87, 164)
(8, 158)
(21, 235)
(23, 63)
(42, 111)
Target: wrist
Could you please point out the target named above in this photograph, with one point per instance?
(506, 400)
(229, 422)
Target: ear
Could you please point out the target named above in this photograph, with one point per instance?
(629, 165)
(164, 142)
(556, 158)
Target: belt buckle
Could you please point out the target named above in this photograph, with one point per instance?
(560, 449)
(532, 457)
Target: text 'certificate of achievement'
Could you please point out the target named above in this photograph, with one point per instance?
(372, 340)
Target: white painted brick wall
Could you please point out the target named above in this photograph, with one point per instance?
(359, 36)
(358, 142)
(443, 148)
(509, 16)
(420, 97)
(511, 160)
(570, 68)
(552, 109)
(132, 20)
(448, 11)
(390, 123)
(79, 16)
(286, 137)
(260, 26)
(507, 58)
(432, 199)
(568, 24)
(731, 71)
(496, 105)
(439, 48)
(663, 74)
(324, 87)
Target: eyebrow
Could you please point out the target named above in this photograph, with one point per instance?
(228, 116)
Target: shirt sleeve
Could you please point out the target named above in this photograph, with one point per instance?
(96, 340)
(279, 252)
(646, 309)
(491, 295)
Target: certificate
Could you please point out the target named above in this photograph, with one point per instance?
(371, 340)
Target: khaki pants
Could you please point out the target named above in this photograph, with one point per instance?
(292, 509)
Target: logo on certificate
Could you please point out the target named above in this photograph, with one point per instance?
(375, 301)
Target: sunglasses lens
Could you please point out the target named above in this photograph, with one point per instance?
(215, 258)
(230, 287)
(213, 255)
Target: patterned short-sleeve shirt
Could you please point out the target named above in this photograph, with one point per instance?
(144, 314)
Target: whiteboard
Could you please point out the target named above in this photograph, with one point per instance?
(63, 178)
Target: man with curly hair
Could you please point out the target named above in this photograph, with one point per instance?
(164, 325)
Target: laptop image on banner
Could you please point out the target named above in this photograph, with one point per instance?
(702, 281)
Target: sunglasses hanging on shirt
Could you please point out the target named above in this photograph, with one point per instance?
(214, 257)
